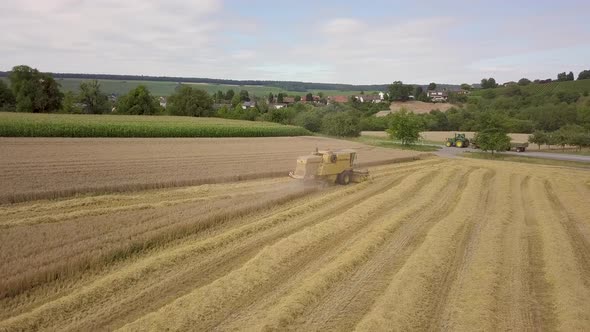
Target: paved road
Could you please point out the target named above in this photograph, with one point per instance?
(549, 155)
(455, 152)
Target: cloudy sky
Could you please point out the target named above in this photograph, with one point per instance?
(358, 42)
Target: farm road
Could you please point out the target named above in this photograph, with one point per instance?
(447, 152)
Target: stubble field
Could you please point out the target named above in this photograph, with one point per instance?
(433, 244)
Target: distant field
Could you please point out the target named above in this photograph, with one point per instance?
(159, 88)
(70, 125)
(419, 107)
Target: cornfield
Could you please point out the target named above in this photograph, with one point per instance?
(69, 125)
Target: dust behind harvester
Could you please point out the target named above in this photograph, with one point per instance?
(333, 166)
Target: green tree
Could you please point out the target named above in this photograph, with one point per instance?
(405, 126)
(538, 137)
(569, 135)
(138, 101)
(432, 86)
(570, 76)
(524, 81)
(309, 97)
(219, 96)
(34, 91)
(466, 87)
(580, 139)
(584, 75)
(343, 124)
(94, 100)
(7, 99)
(561, 77)
(71, 104)
(493, 139)
(311, 121)
(244, 96)
(271, 98)
(189, 101)
(512, 90)
(280, 97)
(236, 100)
(419, 93)
(297, 99)
(229, 94)
(488, 83)
(399, 92)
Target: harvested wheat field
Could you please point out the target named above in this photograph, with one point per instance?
(36, 168)
(433, 244)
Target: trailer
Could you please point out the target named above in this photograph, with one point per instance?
(518, 147)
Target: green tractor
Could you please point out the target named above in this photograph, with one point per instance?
(459, 141)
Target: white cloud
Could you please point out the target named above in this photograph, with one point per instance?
(207, 39)
(107, 35)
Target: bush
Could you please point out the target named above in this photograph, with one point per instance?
(190, 102)
(311, 121)
(405, 126)
(138, 101)
(239, 113)
(285, 115)
(341, 124)
(373, 123)
(493, 140)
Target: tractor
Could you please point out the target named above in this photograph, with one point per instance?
(331, 166)
(459, 141)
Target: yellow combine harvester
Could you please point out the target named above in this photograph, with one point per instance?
(332, 166)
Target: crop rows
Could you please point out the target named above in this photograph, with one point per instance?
(60, 125)
(427, 245)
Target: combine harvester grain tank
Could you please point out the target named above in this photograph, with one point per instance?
(330, 166)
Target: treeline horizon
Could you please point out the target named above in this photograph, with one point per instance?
(295, 86)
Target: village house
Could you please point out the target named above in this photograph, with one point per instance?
(438, 96)
(368, 98)
(248, 104)
(278, 105)
(163, 101)
(337, 99)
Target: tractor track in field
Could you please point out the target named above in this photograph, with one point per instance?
(346, 304)
(572, 227)
(241, 317)
(428, 245)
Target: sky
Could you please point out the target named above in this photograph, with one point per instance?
(355, 42)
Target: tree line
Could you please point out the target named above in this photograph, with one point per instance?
(284, 85)
(32, 91)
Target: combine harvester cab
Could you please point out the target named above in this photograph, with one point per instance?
(331, 166)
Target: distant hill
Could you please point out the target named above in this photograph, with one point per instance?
(284, 85)
(293, 86)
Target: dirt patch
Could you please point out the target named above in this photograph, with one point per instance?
(419, 107)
